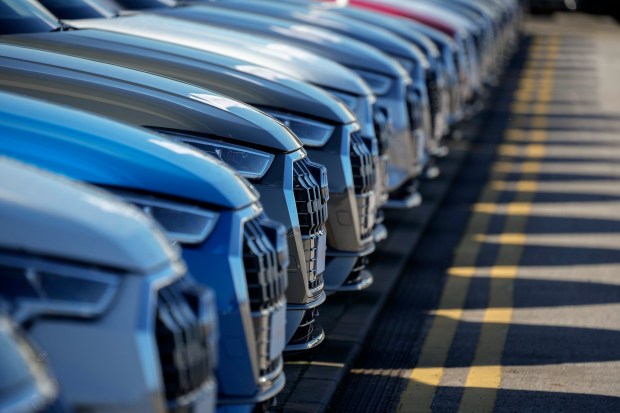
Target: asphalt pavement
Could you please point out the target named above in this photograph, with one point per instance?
(510, 301)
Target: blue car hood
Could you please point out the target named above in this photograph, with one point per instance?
(140, 98)
(47, 215)
(244, 81)
(107, 153)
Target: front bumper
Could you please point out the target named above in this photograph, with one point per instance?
(348, 270)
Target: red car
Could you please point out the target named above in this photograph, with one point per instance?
(395, 10)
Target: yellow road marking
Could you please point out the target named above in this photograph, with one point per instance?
(427, 375)
(485, 375)
(485, 372)
(516, 150)
(522, 186)
(514, 239)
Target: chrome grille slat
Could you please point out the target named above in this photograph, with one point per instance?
(263, 264)
(364, 179)
(265, 261)
(362, 163)
(380, 123)
(182, 340)
(311, 195)
(434, 96)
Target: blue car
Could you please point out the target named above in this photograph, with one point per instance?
(203, 205)
(294, 188)
(318, 119)
(97, 287)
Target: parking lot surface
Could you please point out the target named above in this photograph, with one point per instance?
(511, 300)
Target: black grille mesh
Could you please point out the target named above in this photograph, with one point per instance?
(380, 123)
(363, 168)
(364, 178)
(311, 196)
(183, 339)
(434, 95)
(414, 109)
(265, 259)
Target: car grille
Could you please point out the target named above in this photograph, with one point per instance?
(380, 123)
(265, 259)
(414, 109)
(311, 195)
(364, 179)
(434, 96)
(419, 118)
(185, 339)
(382, 131)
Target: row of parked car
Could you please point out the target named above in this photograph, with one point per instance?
(202, 174)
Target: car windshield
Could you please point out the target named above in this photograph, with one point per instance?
(25, 16)
(81, 9)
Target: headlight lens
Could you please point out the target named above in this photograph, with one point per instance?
(250, 163)
(312, 133)
(379, 84)
(55, 289)
(185, 224)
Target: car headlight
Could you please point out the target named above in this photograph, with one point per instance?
(250, 163)
(185, 224)
(312, 133)
(379, 84)
(37, 287)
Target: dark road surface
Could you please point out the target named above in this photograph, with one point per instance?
(511, 302)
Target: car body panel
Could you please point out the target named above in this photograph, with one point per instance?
(214, 114)
(107, 90)
(251, 84)
(222, 253)
(262, 52)
(119, 336)
(346, 51)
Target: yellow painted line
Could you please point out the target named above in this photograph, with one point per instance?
(485, 375)
(427, 375)
(538, 135)
(539, 122)
(521, 135)
(521, 186)
(486, 370)
(485, 208)
(525, 167)
(503, 239)
(535, 151)
(519, 208)
(516, 150)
